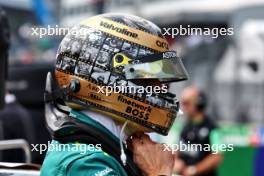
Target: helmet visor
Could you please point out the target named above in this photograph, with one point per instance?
(166, 67)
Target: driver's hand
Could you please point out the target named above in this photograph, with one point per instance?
(151, 157)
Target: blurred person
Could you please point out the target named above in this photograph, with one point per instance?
(4, 47)
(16, 123)
(110, 128)
(196, 131)
(99, 6)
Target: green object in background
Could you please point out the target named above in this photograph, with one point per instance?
(238, 162)
(44, 44)
(238, 135)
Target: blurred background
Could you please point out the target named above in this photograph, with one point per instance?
(230, 69)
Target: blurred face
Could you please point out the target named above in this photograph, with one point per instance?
(188, 101)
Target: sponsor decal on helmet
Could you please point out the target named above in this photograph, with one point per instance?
(126, 33)
(118, 29)
(162, 44)
(135, 109)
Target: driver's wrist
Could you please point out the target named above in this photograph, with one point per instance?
(165, 171)
(159, 173)
(162, 174)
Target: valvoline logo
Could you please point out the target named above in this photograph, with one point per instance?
(118, 29)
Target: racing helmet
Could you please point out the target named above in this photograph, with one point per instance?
(111, 50)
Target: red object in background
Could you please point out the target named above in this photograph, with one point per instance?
(255, 140)
(27, 58)
(170, 40)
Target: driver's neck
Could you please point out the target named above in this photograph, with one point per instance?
(106, 121)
